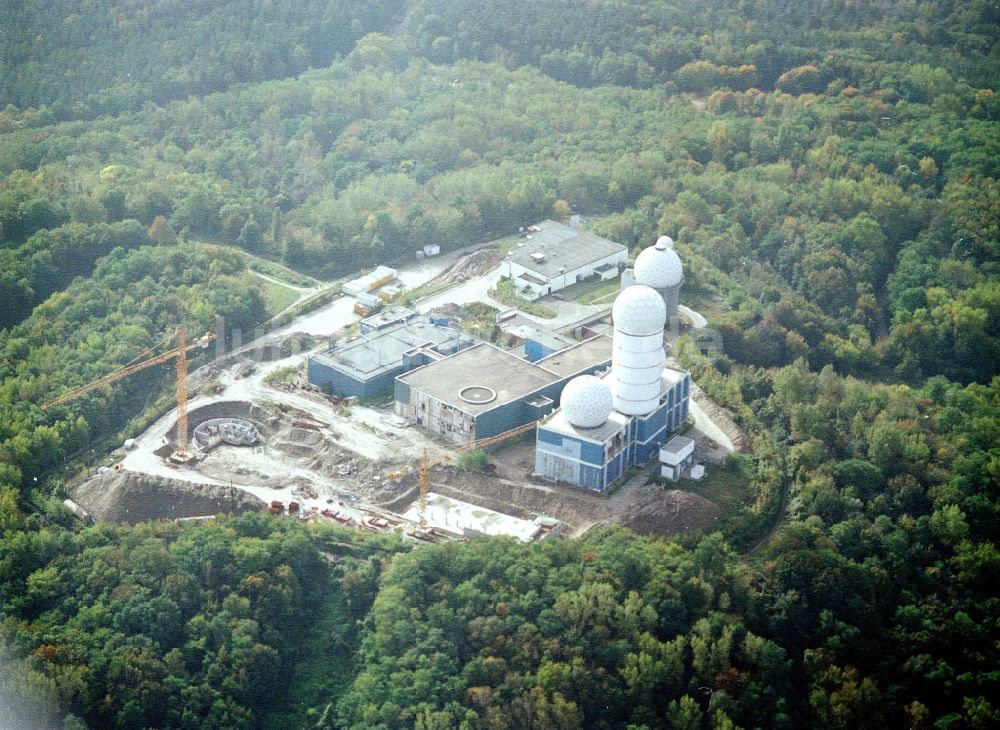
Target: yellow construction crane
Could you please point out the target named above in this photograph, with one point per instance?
(181, 453)
(427, 463)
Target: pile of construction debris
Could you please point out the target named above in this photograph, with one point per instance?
(666, 513)
(470, 266)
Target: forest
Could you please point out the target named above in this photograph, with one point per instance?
(829, 171)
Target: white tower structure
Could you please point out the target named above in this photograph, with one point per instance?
(660, 267)
(587, 401)
(637, 358)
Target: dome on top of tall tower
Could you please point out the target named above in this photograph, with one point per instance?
(639, 310)
(659, 266)
(587, 401)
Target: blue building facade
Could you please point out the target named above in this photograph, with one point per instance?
(535, 351)
(346, 384)
(596, 457)
(539, 344)
(591, 460)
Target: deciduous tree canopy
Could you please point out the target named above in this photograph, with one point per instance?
(829, 172)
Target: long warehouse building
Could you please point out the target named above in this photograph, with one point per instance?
(557, 256)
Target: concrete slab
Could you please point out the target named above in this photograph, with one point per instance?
(454, 515)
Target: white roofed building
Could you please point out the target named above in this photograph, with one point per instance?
(676, 456)
(555, 256)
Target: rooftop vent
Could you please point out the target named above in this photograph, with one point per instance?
(538, 257)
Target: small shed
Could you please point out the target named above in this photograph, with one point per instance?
(676, 456)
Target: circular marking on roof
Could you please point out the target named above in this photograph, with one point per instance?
(477, 394)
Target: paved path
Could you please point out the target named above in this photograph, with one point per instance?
(707, 426)
(697, 320)
(473, 290)
(339, 313)
(302, 290)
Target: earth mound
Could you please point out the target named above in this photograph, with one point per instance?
(128, 497)
(669, 512)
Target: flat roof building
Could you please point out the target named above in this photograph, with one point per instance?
(578, 358)
(606, 425)
(556, 256)
(366, 365)
(386, 318)
(676, 456)
(367, 283)
(539, 343)
(484, 391)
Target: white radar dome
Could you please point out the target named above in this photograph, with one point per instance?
(587, 401)
(664, 242)
(659, 266)
(639, 310)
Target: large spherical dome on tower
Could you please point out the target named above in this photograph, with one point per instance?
(659, 266)
(639, 310)
(587, 401)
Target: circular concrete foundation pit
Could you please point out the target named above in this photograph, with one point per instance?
(232, 431)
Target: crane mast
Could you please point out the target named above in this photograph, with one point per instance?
(181, 453)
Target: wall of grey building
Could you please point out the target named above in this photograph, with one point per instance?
(519, 412)
(563, 458)
(671, 297)
(502, 418)
(401, 391)
(336, 382)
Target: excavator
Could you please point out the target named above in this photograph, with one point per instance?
(426, 463)
(181, 454)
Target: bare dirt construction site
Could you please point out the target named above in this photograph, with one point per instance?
(345, 454)
(321, 452)
(130, 497)
(507, 486)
